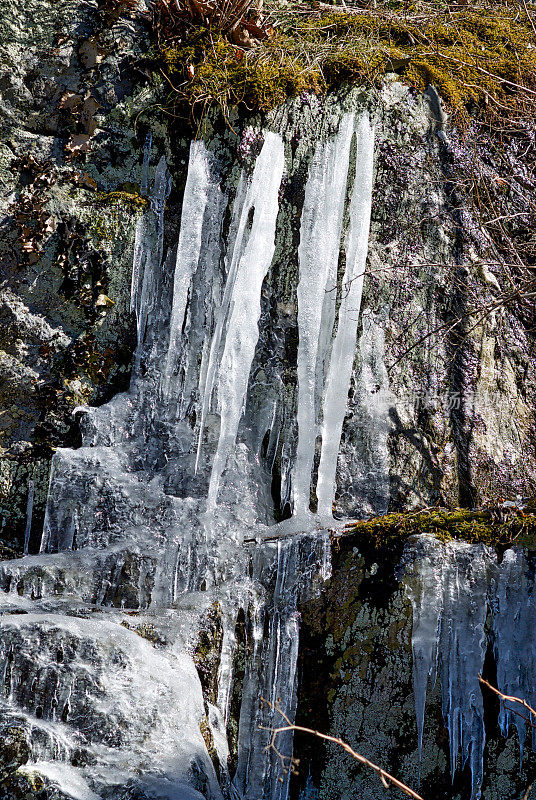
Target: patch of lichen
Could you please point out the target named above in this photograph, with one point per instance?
(498, 527)
(479, 59)
(146, 631)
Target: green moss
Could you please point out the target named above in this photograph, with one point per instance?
(497, 527)
(477, 58)
(132, 200)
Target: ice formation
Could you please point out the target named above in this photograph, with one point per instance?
(343, 349)
(514, 627)
(452, 588)
(166, 513)
(171, 510)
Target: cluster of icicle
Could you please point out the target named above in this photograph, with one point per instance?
(325, 351)
(453, 588)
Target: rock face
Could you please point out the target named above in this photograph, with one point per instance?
(67, 117)
(239, 378)
(460, 402)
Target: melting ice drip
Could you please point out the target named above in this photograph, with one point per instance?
(451, 588)
(134, 499)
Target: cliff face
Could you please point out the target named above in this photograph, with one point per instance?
(440, 412)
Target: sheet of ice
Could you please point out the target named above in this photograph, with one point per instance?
(343, 350)
(297, 566)
(318, 254)
(67, 779)
(96, 687)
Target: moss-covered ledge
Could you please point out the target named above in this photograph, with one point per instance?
(481, 58)
(499, 526)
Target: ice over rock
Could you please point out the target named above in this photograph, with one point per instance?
(167, 511)
(463, 600)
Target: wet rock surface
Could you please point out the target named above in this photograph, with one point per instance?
(68, 140)
(15, 751)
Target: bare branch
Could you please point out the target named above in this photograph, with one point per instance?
(527, 793)
(386, 779)
(512, 699)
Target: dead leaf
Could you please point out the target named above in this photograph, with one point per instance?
(242, 38)
(87, 114)
(78, 144)
(104, 300)
(88, 181)
(70, 100)
(254, 30)
(202, 7)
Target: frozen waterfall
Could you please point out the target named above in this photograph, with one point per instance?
(325, 362)
(127, 529)
(343, 350)
(250, 260)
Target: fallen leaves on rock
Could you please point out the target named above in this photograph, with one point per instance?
(33, 220)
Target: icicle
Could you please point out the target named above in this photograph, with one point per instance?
(225, 670)
(145, 166)
(271, 673)
(197, 204)
(247, 272)
(318, 254)
(29, 512)
(141, 227)
(343, 352)
(424, 587)
(46, 534)
(514, 629)
(448, 589)
(138, 262)
(148, 250)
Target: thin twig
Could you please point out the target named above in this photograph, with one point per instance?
(386, 779)
(529, 17)
(511, 699)
(527, 793)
